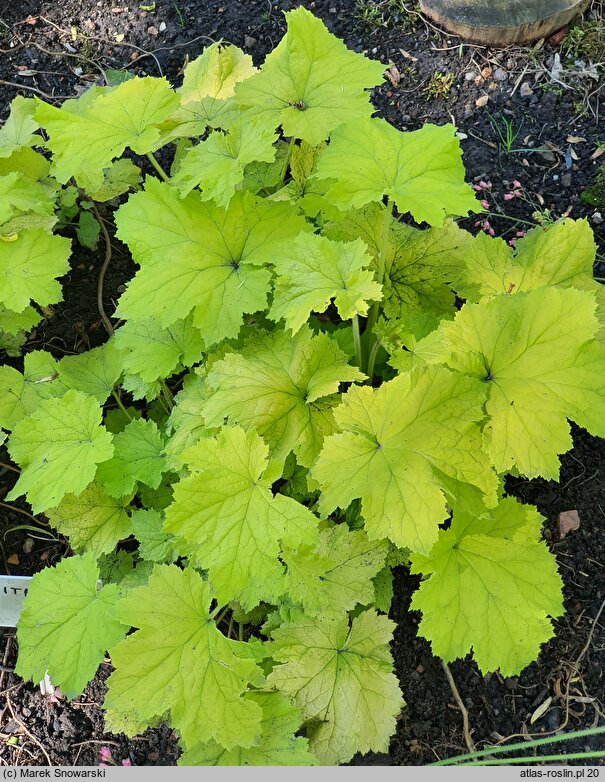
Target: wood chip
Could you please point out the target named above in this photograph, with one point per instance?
(13, 559)
(575, 139)
(393, 75)
(408, 56)
(486, 73)
(597, 153)
(567, 521)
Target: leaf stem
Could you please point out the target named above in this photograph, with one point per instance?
(375, 309)
(372, 359)
(157, 166)
(167, 394)
(116, 396)
(286, 163)
(356, 340)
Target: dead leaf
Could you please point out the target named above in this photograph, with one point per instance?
(13, 559)
(486, 73)
(23, 71)
(573, 153)
(408, 56)
(556, 38)
(481, 101)
(540, 711)
(393, 75)
(597, 153)
(575, 139)
(567, 521)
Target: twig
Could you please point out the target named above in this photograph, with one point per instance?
(20, 510)
(5, 466)
(27, 733)
(467, 736)
(45, 95)
(4, 668)
(104, 267)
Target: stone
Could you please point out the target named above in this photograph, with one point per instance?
(500, 74)
(249, 42)
(525, 91)
(597, 218)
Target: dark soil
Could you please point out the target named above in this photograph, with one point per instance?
(39, 51)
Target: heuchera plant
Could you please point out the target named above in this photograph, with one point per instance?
(340, 412)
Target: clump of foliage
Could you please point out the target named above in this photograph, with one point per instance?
(595, 194)
(586, 41)
(439, 85)
(371, 15)
(337, 412)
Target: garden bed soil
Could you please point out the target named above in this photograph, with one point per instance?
(59, 50)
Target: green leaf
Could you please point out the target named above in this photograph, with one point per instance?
(421, 171)
(58, 448)
(154, 544)
(283, 386)
(88, 230)
(121, 176)
(25, 161)
(94, 372)
(20, 195)
(420, 266)
(93, 521)
(214, 273)
(21, 393)
(342, 679)
(217, 164)
(314, 270)
(19, 130)
(215, 73)
(278, 746)
(186, 421)
(152, 351)
(491, 586)
(67, 625)
(411, 341)
(14, 322)
(310, 83)
(562, 254)
(177, 652)
(334, 577)
(227, 514)
(138, 456)
(535, 355)
(29, 268)
(104, 126)
(394, 440)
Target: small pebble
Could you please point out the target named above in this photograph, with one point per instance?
(481, 101)
(28, 545)
(162, 27)
(152, 30)
(470, 75)
(566, 180)
(597, 218)
(525, 91)
(500, 74)
(249, 41)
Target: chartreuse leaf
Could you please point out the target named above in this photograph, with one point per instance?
(152, 351)
(138, 456)
(186, 422)
(537, 360)
(93, 521)
(492, 586)
(179, 662)
(342, 679)
(199, 257)
(67, 625)
(303, 189)
(29, 266)
(25, 161)
(20, 194)
(411, 341)
(20, 394)
(121, 176)
(14, 322)
(155, 545)
(227, 514)
(421, 171)
(207, 92)
(419, 265)
(563, 254)
(393, 441)
(86, 138)
(58, 448)
(336, 575)
(278, 746)
(313, 270)
(217, 164)
(284, 386)
(94, 372)
(19, 130)
(310, 83)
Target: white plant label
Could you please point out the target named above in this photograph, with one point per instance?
(12, 594)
